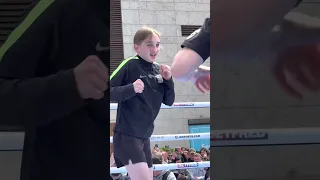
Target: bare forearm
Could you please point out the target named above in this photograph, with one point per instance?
(185, 63)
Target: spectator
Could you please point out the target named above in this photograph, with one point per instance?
(208, 155)
(204, 156)
(165, 157)
(183, 149)
(181, 174)
(203, 150)
(191, 155)
(173, 157)
(178, 150)
(156, 149)
(168, 151)
(164, 174)
(185, 156)
(169, 158)
(197, 173)
(158, 155)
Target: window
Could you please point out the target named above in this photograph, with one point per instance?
(116, 36)
(197, 144)
(186, 30)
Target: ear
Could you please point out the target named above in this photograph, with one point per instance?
(136, 47)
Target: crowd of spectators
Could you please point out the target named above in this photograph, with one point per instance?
(178, 155)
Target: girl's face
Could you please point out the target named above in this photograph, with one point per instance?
(149, 48)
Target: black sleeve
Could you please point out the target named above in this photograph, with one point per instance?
(298, 2)
(119, 89)
(199, 40)
(169, 94)
(27, 99)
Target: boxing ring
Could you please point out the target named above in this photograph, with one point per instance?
(173, 137)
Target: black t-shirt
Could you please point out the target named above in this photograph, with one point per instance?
(199, 40)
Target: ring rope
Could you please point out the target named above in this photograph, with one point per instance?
(114, 106)
(176, 137)
(160, 167)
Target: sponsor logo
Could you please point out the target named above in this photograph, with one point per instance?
(187, 136)
(100, 48)
(222, 136)
(156, 138)
(187, 165)
(183, 104)
(159, 78)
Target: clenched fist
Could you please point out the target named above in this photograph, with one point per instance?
(203, 83)
(138, 86)
(165, 71)
(299, 65)
(92, 78)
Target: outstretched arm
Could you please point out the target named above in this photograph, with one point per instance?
(195, 50)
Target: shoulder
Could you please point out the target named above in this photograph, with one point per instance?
(129, 61)
(125, 64)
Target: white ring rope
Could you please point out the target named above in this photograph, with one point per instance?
(114, 106)
(250, 137)
(176, 137)
(160, 167)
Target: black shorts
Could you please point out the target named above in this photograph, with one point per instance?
(127, 148)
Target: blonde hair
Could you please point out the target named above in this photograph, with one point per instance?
(144, 33)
